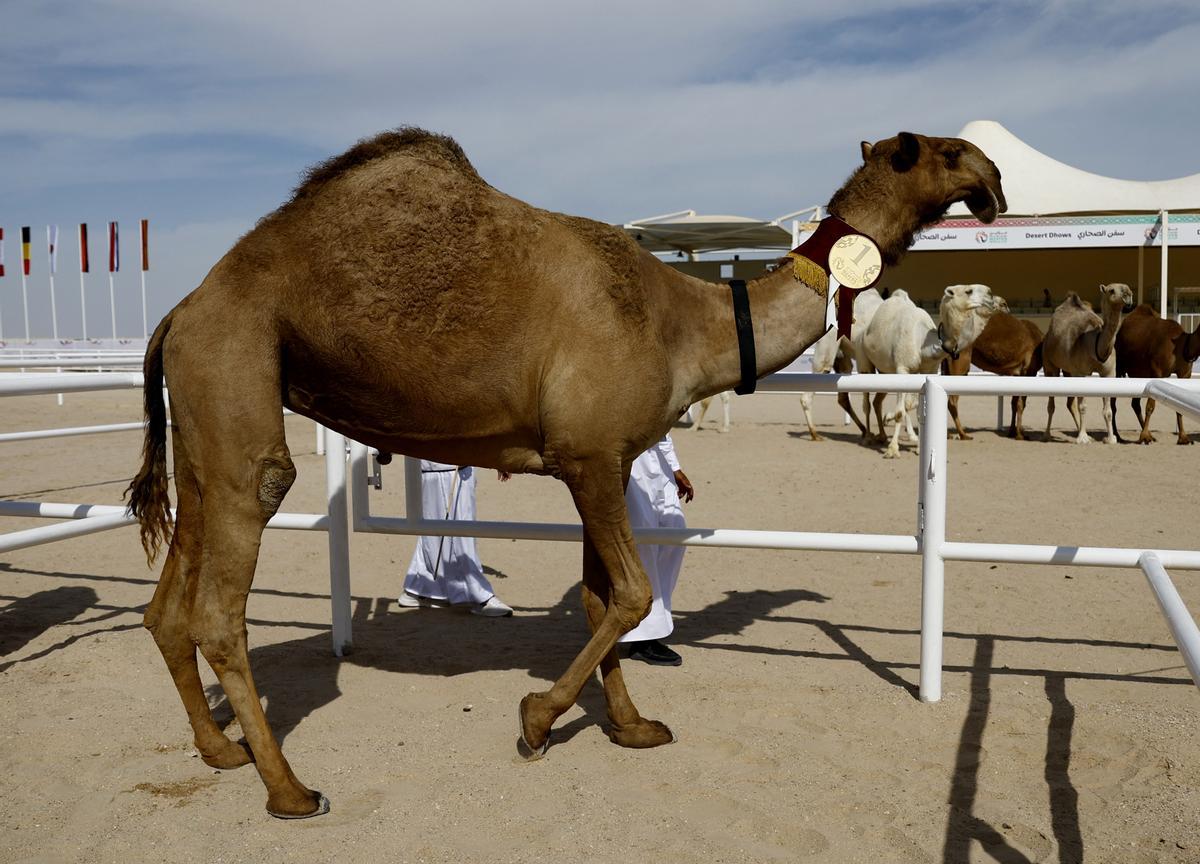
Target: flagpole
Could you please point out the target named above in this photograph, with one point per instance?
(25, 303)
(53, 310)
(83, 305)
(144, 225)
(82, 234)
(112, 304)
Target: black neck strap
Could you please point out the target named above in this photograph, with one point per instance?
(745, 334)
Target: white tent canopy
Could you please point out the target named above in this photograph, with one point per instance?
(1038, 185)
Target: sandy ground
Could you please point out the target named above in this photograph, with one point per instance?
(1067, 732)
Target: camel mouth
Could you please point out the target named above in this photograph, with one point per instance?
(985, 205)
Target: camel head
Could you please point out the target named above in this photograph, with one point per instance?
(964, 312)
(1117, 295)
(910, 181)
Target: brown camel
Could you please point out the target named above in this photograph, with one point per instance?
(1080, 342)
(1151, 347)
(1008, 345)
(399, 299)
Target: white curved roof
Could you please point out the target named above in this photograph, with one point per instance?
(1037, 185)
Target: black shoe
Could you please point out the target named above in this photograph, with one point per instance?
(654, 652)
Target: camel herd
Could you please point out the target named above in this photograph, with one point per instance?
(977, 329)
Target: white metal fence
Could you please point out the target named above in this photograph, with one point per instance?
(347, 496)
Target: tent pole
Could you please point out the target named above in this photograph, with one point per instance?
(1162, 295)
(1141, 272)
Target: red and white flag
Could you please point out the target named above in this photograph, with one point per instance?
(145, 244)
(83, 248)
(114, 249)
(52, 247)
(25, 242)
(1, 251)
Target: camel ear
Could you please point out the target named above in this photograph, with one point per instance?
(866, 150)
(907, 153)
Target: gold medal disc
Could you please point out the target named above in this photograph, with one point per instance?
(855, 261)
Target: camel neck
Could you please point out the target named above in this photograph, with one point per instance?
(881, 217)
(1107, 336)
(702, 343)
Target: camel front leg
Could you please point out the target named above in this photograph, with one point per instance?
(953, 406)
(900, 419)
(806, 405)
(877, 404)
(1076, 407)
(1110, 436)
(726, 399)
(628, 727)
(1146, 436)
(598, 491)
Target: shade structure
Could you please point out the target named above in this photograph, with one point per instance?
(691, 233)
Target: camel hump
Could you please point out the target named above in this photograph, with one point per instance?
(900, 292)
(429, 145)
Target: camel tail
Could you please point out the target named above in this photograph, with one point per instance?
(148, 498)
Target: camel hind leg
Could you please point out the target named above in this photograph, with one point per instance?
(230, 413)
(167, 620)
(611, 565)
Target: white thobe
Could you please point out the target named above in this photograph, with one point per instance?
(447, 568)
(653, 501)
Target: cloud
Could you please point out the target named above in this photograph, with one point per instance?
(205, 114)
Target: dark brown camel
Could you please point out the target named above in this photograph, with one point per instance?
(1008, 345)
(400, 300)
(1151, 347)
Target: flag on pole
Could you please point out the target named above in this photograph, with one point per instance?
(52, 247)
(25, 248)
(114, 249)
(83, 250)
(1, 251)
(145, 244)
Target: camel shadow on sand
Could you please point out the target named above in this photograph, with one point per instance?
(300, 676)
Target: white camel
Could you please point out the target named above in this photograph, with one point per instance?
(704, 403)
(903, 339)
(834, 354)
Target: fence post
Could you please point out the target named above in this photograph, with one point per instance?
(339, 541)
(931, 534)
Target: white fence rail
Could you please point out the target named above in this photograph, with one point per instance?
(929, 540)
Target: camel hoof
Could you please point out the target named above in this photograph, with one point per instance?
(890, 454)
(1110, 440)
(1147, 439)
(1086, 439)
(532, 744)
(322, 807)
(232, 755)
(966, 437)
(1184, 440)
(817, 436)
(642, 735)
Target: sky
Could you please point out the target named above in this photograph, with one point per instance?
(201, 117)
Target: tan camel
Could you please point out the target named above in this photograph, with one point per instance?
(1080, 342)
(1148, 346)
(399, 299)
(1007, 345)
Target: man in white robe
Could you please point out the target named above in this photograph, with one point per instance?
(652, 496)
(445, 571)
